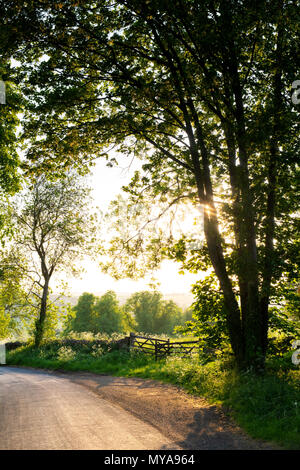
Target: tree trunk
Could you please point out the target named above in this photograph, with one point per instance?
(40, 323)
(231, 306)
(252, 324)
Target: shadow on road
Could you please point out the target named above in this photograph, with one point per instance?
(188, 421)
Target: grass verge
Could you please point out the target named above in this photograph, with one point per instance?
(267, 407)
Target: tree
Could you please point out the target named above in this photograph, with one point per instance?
(188, 315)
(4, 324)
(83, 314)
(108, 314)
(15, 308)
(152, 314)
(9, 121)
(53, 228)
(145, 308)
(10, 177)
(128, 322)
(170, 316)
(208, 321)
(200, 90)
(10, 107)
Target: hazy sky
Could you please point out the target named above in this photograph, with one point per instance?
(107, 183)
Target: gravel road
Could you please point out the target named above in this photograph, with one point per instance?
(78, 410)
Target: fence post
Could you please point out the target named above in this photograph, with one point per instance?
(156, 349)
(131, 340)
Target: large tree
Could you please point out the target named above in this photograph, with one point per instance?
(201, 91)
(53, 229)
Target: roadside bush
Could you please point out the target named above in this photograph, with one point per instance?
(66, 354)
(80, 346)
(97, 350)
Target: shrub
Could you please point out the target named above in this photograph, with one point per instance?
(66, 354)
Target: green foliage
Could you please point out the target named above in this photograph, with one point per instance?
(10, 177)
(128, 321)
(55, 316)
(81, 318)
(101, 315)
(209, 322)
(65, 354)
(152, 314)
(169, 317)
(6, 223)
(9, 121)
(19, 308)
(145, 307)
(281, 323)
(4, 324)
(143, 311)
(283, 331)
(107, 314)
(14, 301)
(53, 229)
(286, 293)
(209, 315)
(88, 336)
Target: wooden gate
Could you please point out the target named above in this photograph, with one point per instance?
(161, 348)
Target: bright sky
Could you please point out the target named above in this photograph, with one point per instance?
(107, 183)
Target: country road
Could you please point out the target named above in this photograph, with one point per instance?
(81, 411)
(41, 411)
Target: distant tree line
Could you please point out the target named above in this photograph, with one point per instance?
(144, 311)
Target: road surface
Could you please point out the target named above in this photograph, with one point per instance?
(45, 411)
